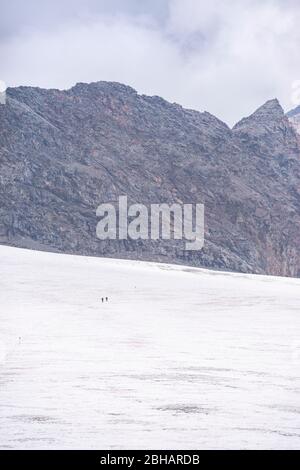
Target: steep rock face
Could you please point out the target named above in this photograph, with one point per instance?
(62, 153)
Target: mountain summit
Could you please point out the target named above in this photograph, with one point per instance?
(267, 130)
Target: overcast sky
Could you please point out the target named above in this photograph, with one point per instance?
(227, 57)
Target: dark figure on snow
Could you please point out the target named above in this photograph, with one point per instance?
(106, 298)
(102, 299)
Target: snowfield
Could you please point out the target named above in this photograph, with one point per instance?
(178, 358)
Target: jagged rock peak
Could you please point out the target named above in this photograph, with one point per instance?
(294, 112)
(294, 118)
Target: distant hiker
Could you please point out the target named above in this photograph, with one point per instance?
(102, 299)
(19, 339)
(106, 298)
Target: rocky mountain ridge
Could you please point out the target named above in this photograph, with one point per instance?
(62, 153)
(294, 118)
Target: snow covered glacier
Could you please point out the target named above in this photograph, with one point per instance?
(177, 358)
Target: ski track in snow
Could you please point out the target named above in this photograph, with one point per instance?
(179, 358)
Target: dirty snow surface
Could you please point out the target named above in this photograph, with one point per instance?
(177, 358)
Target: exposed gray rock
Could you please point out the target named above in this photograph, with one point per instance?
(294, 118)
(62, 153)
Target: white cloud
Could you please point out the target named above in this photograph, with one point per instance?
(225, 57)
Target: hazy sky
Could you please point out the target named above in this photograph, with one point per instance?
(227, 57)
